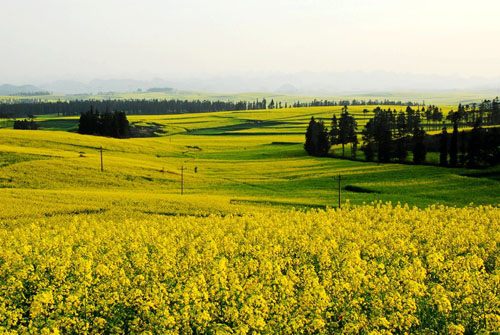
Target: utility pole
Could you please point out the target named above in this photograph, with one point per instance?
(339, 178)
(102, 166)
(182, 179)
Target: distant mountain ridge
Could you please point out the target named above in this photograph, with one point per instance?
(300, 83)
(7, 89)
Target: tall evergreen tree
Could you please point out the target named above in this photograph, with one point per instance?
(354, 147)
(419, 149)
(334, 131)
(401, 140)
(462, 140)
(401, 126)
(490, 153)
(323, 142)
(368, 146)
(437, 115)
(317, 142)
(428, 116)
(495, 111)
(123, 124)
(309, 145)
(454, 146)
(474, 145)
(443, 148)
(413, 119)
(347, 129)
(383, 134)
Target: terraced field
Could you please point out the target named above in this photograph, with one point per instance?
(251, 246)
(240, 158)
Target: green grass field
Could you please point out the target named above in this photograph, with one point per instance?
(242, 159)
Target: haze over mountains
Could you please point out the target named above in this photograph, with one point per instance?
(310, 83)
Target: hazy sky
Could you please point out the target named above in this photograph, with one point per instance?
(84, 39)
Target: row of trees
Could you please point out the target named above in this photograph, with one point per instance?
(355, 102)
(478, 148)
(16, 109)
(132, 107)
(32, 94)
(113, 124)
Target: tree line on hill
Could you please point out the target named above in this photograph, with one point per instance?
(355, 102)
(17, 109)
(112, 124)
(390, 136)
(31, 94)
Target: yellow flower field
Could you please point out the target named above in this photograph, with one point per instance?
(373, 269)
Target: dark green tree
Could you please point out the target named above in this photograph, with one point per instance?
(309, 145)
(462, 140)
(495, 111)
(113, 124)
(347, 129)
(443, 148)
(419, 149)
(334, 131)
(454, 146)
(401, 140)
(490, 153)
(413, 119)
(437, 115)
(317, 142)
(123, 124)
(25, 124)
(368, 146)
(382, 128)
(323, 142)
(354, 147)
(474, 144)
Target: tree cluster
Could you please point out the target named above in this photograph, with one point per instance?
(390, 135)
(487, 112)
(477, 148)
(317, 142)
(112, 124)
(319, 139)
(25, 124)
(344, 132)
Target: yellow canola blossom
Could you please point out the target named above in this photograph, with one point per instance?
(378, 269)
